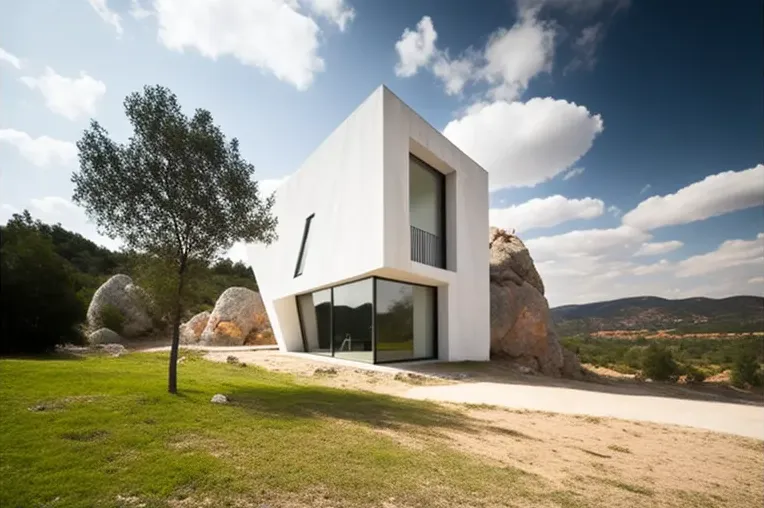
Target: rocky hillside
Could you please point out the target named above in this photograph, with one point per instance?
(692, 315)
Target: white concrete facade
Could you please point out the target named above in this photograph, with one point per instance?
(356, 187)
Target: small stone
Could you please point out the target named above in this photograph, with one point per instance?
(232, 359)
(38, 407)
(115, 350)
(181, 359)
(325, 371)
(219, 398)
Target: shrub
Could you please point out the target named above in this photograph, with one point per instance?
(694, 374)
(746, 370)
(39, 307)
(112, 318)
(658, 363)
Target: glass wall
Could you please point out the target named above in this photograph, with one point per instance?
(352, 314)
(315, 311)
(405, 321)
(350, 321)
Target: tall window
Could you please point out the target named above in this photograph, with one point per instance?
(303, 248)
(427, 213)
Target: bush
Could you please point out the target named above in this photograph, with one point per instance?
(693, 374)
(658, 363)
(112, 318)
(746, 370)
(39, 307)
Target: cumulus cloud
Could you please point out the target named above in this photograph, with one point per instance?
(269, 185)
(107, 15)
(510, 59)
(656, 248)
(714, 195)
(12, 59)
(415, 48)
(587, 242)
(68, 97)
(659, 267)
(524, 144)
(272, 35)
(731, 253)
(515, 56)
(336, 11)
(573, 172)
(40, 151)
(545, 212)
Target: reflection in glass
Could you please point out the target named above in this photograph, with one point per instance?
(315, 315)
(405, 321)
(352, 315)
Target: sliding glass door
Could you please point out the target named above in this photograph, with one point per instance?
(371, 320)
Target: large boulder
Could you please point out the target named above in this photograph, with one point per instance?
(234, 317)
(191, 331)
(131, 301)
(104, 336)
(521, 323)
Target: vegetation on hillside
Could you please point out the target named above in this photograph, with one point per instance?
(49, 275)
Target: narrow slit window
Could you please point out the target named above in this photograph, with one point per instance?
(303, 247)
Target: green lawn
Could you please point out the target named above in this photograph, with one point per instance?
(110, 435)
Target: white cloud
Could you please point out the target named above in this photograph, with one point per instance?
(336, 11)
(573, 172)
(614, 210)
(41, 151)
(453, 73)
(271, 35)
(5, 56)
(714, 195)
(645, 188)
(7, 211)
(415, 48)
(524, 144)
(545, 212)
(68, 97)
(585, 47)
(515, 56)
(138, 11)
(659, 267)
(510, 59)
(107, 14)
(656, 248)
(731, 253)
(587, 242)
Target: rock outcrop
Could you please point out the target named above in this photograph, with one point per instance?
(104, 336)
(234, 318)
(131, 301)
(521, 323)
(191, 331)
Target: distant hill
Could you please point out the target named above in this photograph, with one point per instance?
(691, 315)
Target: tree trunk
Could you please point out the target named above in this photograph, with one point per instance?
(172, 383)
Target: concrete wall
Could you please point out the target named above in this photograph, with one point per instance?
(463, 296)
(341, 184)
(357, 185)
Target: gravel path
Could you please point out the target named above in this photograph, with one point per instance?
(740, 419)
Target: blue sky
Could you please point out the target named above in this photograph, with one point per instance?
(624, 140)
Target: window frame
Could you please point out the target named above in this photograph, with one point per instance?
(300, 266)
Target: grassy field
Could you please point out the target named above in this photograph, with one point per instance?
(103, 432)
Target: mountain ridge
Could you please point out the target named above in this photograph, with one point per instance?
(743, 313)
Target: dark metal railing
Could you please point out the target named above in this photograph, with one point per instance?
(426, 248)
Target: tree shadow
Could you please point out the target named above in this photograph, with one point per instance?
(497, 371)
(46, 356)
(375, 410)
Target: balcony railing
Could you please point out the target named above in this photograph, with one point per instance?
(426, 248)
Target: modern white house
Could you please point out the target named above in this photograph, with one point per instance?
(382, 251)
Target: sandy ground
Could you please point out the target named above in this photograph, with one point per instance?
(595, 460)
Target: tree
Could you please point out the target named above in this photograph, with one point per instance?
(38, 300)
(176, 190)
(658, 363)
